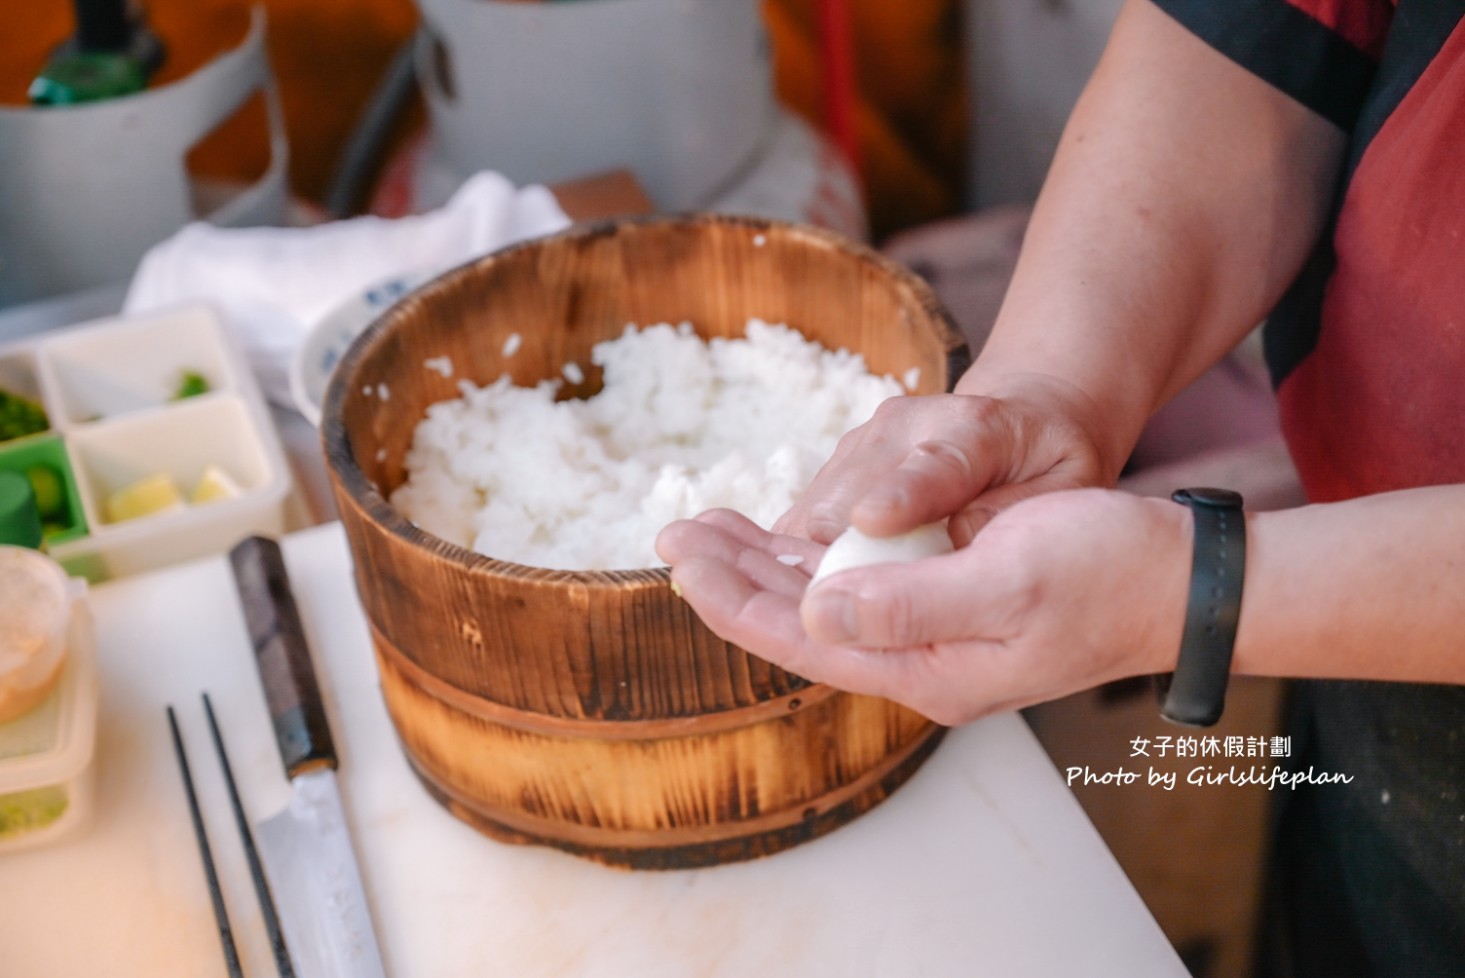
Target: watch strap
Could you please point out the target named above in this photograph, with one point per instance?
(1195, 694)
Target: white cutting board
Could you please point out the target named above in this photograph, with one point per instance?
(983, 864)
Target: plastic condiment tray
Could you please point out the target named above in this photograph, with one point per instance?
(109, 388)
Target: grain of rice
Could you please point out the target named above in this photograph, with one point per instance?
(512, 344)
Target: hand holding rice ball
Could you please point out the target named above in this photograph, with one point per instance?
(1057, 593)
(1046, 592)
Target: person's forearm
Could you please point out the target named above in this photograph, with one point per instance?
(1184, 197)
(1372, 588)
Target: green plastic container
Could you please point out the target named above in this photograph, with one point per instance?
(68, 521)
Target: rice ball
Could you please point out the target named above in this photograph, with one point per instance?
(854, 549)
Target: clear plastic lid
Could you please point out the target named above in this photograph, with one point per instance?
(53, 742)
(35, 606)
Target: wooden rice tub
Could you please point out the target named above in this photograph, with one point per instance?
(593, 711)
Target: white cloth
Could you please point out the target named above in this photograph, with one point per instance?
(274, 284)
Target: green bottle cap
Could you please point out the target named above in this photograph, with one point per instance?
(20, 523)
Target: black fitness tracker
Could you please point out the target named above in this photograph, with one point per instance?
(1195, 694)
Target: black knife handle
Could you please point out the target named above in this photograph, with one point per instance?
(283, 656)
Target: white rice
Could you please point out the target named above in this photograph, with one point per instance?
(679, 427)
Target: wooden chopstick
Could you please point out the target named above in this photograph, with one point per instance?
(256, 869)
(221, 915)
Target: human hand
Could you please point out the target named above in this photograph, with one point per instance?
(963, 456)
(1056, 594)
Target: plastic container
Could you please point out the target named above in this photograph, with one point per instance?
(64, 521)
(678, 92)
(179, 443)
(18, 376)
(130, 398)
(89, 188)
(133, 364)
(46, 751)
(35, 606)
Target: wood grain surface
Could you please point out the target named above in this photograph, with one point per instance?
(592, 710)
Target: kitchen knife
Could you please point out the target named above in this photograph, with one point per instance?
(306, 849)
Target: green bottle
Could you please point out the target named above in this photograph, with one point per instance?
(111, 55)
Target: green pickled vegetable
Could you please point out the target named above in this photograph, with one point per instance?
(50, 492)
(192, 384)
(26, 811)
(20, 416)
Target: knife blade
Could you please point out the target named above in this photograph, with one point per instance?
(306, 848)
